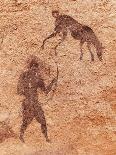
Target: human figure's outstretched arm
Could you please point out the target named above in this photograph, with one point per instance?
(42, 86)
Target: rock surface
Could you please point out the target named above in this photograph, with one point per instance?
(81, 117)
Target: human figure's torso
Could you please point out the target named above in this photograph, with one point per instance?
(30, 84)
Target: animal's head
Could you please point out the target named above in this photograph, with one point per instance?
(99, 54)
(55, 13)
(100, 51)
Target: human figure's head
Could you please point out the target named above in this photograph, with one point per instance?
(33, 64)
(32, 61)
(55, 13)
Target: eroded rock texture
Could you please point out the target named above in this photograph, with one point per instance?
(81, 115)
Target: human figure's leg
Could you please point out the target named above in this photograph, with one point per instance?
(26, 122)
(40, 117)
(27, 119)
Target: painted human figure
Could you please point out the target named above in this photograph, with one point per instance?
(28, 84)
(83, 33)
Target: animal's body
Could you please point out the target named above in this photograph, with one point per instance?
(83, 33)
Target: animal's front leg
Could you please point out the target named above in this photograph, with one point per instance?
(64, 34)
(89, 48)
(81, 50)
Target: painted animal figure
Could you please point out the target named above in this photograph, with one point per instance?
(83, 33)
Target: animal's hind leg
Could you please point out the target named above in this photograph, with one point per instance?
(89, 48)
(81, 44)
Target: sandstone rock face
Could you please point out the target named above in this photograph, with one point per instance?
(81, 115)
